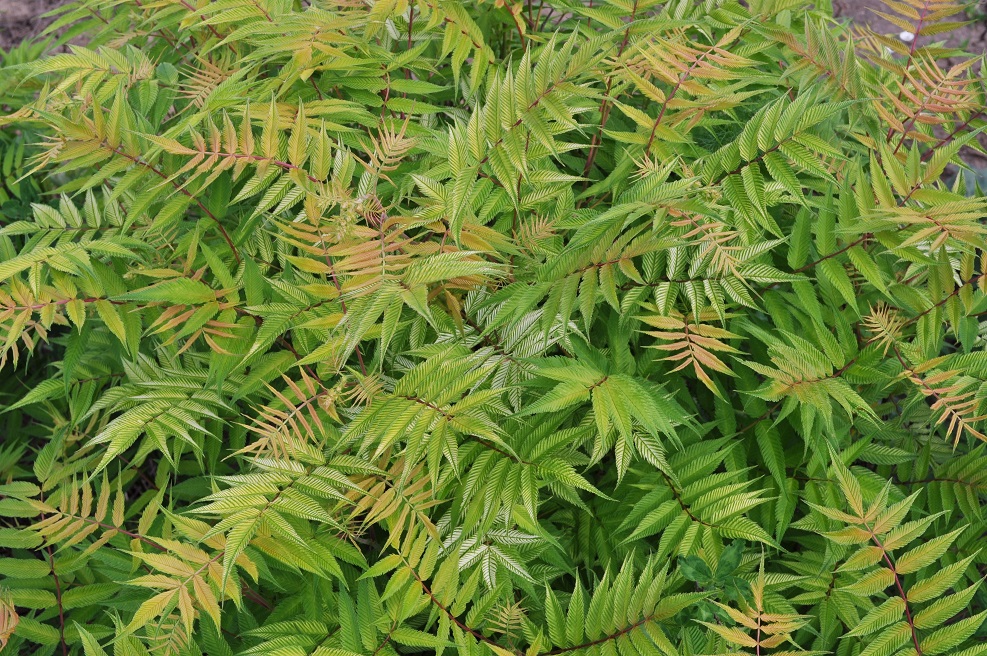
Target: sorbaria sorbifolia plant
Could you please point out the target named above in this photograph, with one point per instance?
(611, 328)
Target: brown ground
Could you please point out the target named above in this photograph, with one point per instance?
(20, 19)
(973, 37)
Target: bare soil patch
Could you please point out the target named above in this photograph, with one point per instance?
(21, 19)
(972, 37)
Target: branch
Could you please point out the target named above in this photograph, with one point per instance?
(901, 589)
(438, 604)
(58, 593)
(180, 189)
(599, 641)
(605, 107)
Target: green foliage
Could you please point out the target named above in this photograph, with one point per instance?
(343, 327)
(18, 192)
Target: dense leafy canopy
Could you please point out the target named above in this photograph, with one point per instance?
(625, 327)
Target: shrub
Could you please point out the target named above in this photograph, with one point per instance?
(505, 328)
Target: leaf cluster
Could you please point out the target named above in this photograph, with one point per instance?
(523, 327)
